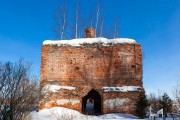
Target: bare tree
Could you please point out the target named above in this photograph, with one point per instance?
(116, 27)
(114, 31)
(60, 17)
(92, 17)
(76, 19)
(101, 27)
(80, 22)
(154, 102)
(176, 93)
(18, 90)
(75, 29)
(98, 15)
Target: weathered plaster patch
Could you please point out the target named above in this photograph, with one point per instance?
(117, 102)
(67, 101)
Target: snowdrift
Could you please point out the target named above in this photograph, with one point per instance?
(60, 113)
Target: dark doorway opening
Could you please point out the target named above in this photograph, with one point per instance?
(93, 94)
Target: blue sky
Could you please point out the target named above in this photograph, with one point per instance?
(25, 24)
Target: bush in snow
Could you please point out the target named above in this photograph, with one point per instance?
(141, 105)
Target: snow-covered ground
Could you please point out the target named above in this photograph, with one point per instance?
(59, 113)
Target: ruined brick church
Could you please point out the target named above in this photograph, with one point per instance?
(107, 70)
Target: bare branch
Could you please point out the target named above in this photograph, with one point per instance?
(76, 20)
(101, 27)
(116, 28)
(97, 19)
(60, 17)
(92, 17)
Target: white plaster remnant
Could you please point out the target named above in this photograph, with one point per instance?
(122, 89)
(66, 101)
(116, 103)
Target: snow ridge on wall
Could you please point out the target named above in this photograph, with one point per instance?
(81, 41)
(54, 88)
(122, 89)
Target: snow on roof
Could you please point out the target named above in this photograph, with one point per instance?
(122, 89)
(81, 41)
(54, 88)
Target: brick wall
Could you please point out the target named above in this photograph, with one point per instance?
(90, 67)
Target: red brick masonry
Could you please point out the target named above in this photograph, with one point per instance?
(87, 67)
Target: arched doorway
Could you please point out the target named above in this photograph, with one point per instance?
(97, 101)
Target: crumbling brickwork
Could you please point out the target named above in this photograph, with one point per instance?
(91, 67)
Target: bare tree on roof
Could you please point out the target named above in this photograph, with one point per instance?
(101, 27)
(60, 16)
(68, 29)
(76, 20)
(92, 17)
(98, 14)
(116, 28)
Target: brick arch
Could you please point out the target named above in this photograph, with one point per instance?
(83, 92)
